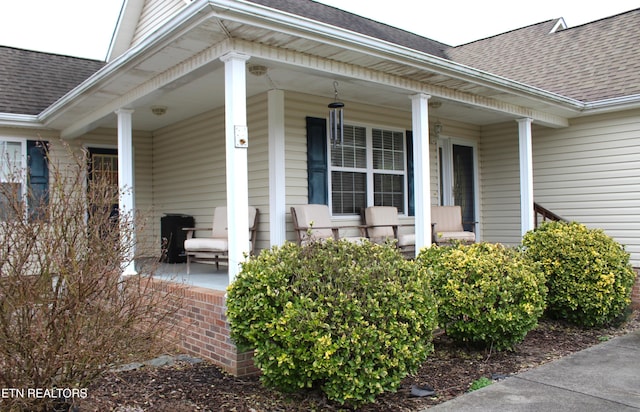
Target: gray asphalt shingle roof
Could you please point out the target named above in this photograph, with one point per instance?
(595, 61)
(346, 20)
(32, 81)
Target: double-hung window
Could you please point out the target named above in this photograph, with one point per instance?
(24, 177)
(368, 169)
(12, 175)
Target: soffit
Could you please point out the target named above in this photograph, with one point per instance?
(172, 68)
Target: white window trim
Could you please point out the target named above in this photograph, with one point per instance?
(369, 171)
(23, 165)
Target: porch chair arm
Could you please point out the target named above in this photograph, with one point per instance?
(191, 230)
(473, 225)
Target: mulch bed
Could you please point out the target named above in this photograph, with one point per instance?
(449, 370)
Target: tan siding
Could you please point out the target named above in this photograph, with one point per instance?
(154, 12)
(500, 184)
(189, 166)
(590, 172)
(258, 158)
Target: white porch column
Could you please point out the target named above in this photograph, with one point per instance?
(421, 169)
(237, 141)
(125, 176)
(526, 175)
(277, 200)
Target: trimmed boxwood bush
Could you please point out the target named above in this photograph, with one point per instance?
(350, 319)
(588, 273)
(488, 295)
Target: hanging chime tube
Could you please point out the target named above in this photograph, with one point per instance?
(336, 120)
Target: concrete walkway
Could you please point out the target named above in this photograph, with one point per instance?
(605, 377)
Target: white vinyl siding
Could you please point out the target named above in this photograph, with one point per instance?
(189, 168)
(590, 173)
(500, 183)
(258, 165)
(189, 172)
(153, 14)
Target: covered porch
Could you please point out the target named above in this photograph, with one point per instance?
(201, 275)
(200, 124)
(213, 108)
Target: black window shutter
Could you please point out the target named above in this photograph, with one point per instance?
(37, 178)
(410, 184)
(317, 161)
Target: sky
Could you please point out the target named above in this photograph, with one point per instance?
(84, 28)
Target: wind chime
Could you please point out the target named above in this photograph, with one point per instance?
(336, 119)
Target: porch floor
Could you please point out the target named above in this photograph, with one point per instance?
(202, 275)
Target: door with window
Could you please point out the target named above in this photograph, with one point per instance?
(103, 173)
(457, 163)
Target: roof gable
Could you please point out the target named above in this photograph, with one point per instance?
(138, 19)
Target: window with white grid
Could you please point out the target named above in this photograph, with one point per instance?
(368, 169)
(12, 175)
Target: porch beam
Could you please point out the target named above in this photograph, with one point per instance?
(162, 80)
(125, 182)
(526, 175)
(277, 183)
(366, 74)
(422, 178)
(236, 146)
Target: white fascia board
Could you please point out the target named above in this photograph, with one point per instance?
(261, 16)
(20, 120)
(363, 43)
(614, 104)
(191, 15)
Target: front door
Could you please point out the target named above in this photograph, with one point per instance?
(103, 171)
(457, 164)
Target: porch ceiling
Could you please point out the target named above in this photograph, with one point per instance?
(180, 68)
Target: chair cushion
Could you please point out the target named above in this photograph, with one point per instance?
(206, 244)
(447, 218)
(319, 215)
(219, 228)
(378, 216)
(459, 236)
(220, 223)
(408, 239)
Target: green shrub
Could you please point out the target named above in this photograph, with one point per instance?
(588, 273)
(350, 319)
(487, 294)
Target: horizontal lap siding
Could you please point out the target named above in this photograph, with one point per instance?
(500, 183)
(189, 167)
(189, 172)
(154, 12)
(258, 164)
(590, 173)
